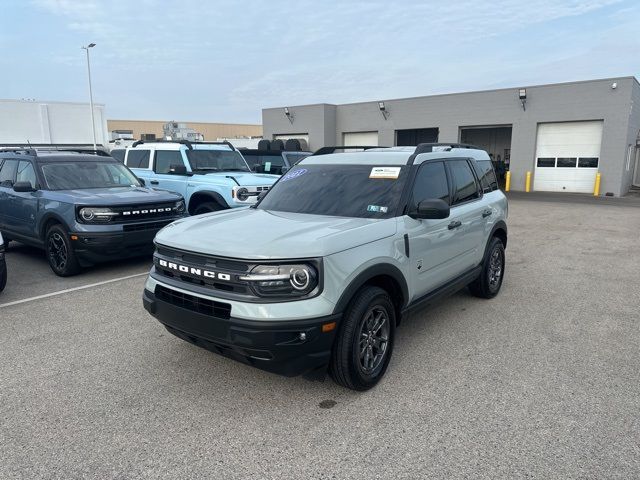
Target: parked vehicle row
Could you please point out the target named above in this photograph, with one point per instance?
(348, 243)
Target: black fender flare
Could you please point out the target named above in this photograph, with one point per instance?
(366, 275)
(209, 193)
(45, 219)
(499, 225)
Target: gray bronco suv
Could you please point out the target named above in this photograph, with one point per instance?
(319, 273)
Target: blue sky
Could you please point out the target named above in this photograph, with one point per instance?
(224, 61)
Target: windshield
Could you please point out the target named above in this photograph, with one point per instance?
(81, 175)
(364, 191)
(216, 161)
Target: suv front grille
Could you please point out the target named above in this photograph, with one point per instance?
(136, 213)
(193, 303)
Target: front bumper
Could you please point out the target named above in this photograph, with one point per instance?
(95, 247)
(274, 346)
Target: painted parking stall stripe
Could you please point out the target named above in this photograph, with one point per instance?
(70, 290)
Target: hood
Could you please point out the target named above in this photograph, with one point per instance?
(249, 233)
(243, 178)
(115, 196)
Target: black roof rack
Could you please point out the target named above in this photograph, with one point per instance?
(188, 143)
(328, 150)
(428, 147)
(33, 148)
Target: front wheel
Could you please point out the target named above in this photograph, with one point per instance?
(207, 207)
(490, 280)
(363, 348)
(62, 258)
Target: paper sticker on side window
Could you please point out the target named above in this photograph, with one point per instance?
(390, 173)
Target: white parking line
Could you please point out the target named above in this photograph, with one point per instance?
(68, 290)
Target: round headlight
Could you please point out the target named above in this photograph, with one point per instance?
(242, 194)
(300, 278)
(180, 206)
(87, 214)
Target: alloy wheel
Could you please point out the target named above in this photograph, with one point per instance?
(373, 339)
(58, 251)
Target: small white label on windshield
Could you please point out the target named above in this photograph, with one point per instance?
(385, 172)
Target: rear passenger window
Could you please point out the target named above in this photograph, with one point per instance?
(431, 182)
(464, 182)
(8, 172)
(487, 176)
(165, 159)
(138, 159)
(26, 173)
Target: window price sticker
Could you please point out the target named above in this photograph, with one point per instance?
(390, 173)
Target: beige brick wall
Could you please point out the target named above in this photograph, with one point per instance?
(211, 131)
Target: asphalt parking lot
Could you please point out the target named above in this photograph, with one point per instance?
(543, 381)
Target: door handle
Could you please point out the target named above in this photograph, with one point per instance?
(154, 182)
(487, 213)
(454, 224)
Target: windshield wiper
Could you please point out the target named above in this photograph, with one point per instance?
(208, 169)
(234, 170)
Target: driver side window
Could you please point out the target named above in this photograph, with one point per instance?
(431, 182)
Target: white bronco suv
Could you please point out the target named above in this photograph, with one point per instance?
(342, 246)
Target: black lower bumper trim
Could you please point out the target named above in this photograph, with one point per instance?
(100, 247)
(287, 348)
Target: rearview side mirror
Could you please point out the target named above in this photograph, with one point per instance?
(142, 182)
(178, 170)
(431, 209)
(23, 187)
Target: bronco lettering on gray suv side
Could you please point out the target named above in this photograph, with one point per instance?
(344, 246)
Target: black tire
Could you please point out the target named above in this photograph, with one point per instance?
(62, 259)
(6, 239)
(3, 275)
(488, 284)
(207, 207)
(347, 367)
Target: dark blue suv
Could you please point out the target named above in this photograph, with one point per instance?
(80, 208)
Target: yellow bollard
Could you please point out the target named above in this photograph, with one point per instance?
(596, 187)
(527, 185)
(507, 182)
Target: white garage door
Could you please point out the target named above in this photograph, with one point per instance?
(567, 156)
(364, 139)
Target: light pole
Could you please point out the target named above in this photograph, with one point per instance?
(93, 123)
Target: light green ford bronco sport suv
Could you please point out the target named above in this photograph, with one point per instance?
(318, 274)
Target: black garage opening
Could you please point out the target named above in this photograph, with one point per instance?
(496, 140)
(415, 136)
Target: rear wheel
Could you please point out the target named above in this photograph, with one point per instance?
(62, 258)
(490, 280)
(207, 207)
(364, 345)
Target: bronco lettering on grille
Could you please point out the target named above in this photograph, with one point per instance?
(198, 272)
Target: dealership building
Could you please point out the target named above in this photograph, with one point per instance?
(562, 133)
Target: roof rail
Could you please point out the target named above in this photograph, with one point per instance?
(188, 143)
(428, 147)
(162, 140)
(33, 148)
(328, 150)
